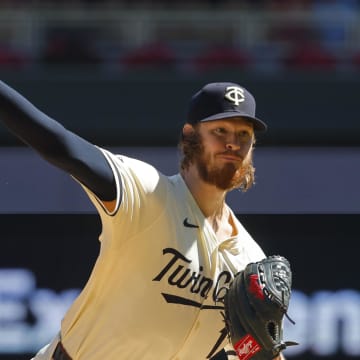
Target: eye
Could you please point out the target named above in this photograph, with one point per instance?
(244, 135)
(219, 131)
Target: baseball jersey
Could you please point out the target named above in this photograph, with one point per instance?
(156, 288)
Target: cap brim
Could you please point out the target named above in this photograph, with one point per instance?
(259, 125)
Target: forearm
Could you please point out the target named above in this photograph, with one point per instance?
(27, 122)
(56, 144)
(280, 357)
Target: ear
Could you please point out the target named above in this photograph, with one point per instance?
(188, 129)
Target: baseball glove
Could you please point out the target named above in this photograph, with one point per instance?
(255, 305)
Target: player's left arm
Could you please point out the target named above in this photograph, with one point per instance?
(280, 357)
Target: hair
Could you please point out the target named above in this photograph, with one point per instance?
(191, 145)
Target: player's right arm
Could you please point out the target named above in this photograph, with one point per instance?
(56, 144)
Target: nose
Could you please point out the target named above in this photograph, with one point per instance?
(233, 143)
(232, 146)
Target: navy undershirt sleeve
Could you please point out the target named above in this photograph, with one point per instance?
(56, 144)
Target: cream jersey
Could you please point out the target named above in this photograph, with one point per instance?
(156, 288)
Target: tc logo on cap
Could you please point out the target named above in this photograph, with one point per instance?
(235, 94)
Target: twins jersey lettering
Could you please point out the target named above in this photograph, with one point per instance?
(155, 290)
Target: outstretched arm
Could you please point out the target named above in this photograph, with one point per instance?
(56, 144)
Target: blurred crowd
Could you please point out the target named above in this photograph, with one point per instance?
(288, 45)
(267, 4)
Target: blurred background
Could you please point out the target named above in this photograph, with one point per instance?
(121, 73)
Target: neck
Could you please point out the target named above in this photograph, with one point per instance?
(209, 198)
(211, 201)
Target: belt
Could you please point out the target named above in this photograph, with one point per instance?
(60, 353)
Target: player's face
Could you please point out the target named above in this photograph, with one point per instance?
(226, 152)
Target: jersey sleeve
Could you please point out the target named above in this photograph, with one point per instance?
(140, 190)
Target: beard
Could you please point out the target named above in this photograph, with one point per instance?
(226, 177)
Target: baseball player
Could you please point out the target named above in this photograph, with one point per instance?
(170, 245)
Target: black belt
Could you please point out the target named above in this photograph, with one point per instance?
(223, 355)
(60, 353)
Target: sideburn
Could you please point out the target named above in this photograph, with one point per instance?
(190, 146)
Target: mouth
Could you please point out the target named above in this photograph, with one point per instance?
(232, 158)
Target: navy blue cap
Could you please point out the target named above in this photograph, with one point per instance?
(223, 100)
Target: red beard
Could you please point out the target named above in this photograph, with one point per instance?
(227, 177)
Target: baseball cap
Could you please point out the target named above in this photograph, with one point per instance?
(223, 100)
